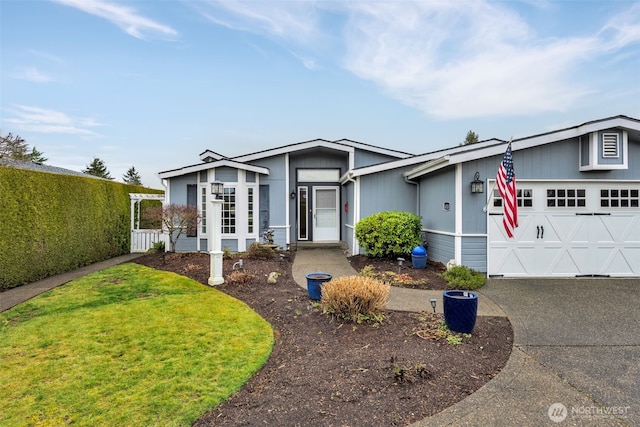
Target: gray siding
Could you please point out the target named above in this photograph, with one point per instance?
(474, 253)
(435, 190)
(440, 247)
(230, 244)
(178, 195)
(386, 191)
(558, 160)
(226, 174)
(278, 198)
(178, 188)
(318, 158)
(367, 158)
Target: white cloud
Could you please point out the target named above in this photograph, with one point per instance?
(295, 21)
(31, 74)
(124, 17)
(447, 59)
(454, 60)
(36, 119)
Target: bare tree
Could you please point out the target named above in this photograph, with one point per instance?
(16, 148)
(176, 219)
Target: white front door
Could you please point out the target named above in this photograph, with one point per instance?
(326, 216)
(569, 229)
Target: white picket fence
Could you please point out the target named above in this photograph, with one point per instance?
(143, 240)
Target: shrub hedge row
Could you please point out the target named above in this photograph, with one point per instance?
(52, 223)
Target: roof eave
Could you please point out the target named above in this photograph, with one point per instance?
(210, 165)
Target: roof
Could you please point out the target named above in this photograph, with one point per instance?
(496, 147)
(423, 163)
(41, 167)
(212, 164)
(345, 145)
(211, 159)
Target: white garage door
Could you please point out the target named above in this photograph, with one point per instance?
(568, 229)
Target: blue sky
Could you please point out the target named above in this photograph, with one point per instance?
(152, 84)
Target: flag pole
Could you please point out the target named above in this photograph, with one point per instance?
(495, 182)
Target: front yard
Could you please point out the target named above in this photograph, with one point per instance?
(126, 346)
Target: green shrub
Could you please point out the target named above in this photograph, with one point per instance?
(259, 251)
(389, 234)
(463, 277)
(158, 247)
(355, 298)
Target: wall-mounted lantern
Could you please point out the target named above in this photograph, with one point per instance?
(477, 186)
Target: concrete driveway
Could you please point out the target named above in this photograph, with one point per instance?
(575, 361)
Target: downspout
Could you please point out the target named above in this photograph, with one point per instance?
(287, 216)
(355, 248)
(417, 184)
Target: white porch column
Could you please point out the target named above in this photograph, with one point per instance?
(215, 275)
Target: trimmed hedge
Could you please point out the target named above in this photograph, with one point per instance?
(53, 223)
(389, 234)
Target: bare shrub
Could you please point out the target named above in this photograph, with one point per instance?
(356, 298)
(240, 278)
(175, 219)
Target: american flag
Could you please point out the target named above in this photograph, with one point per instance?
(507, 187)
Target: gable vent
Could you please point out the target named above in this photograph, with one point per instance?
(610, 145)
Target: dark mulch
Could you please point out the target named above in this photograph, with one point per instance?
(323, 372)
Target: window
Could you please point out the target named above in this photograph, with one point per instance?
(525, 198)
(610, 146)
(619, 198)
(250, 206)
(318, 175)
(566, 198)
(203, 210)
(229, 211)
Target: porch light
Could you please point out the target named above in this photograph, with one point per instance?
(217, 189)
(477, 186)
(433, 304)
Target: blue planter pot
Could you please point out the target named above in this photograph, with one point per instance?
(315, 282)
(460, 310)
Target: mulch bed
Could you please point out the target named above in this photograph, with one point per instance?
(324, 372)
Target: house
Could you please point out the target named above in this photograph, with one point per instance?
(578, 198)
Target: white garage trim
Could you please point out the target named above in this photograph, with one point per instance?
(568, 228)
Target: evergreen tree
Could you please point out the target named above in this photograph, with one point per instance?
(132, 177)
(97, 168)
(471, 138)
(36, 156)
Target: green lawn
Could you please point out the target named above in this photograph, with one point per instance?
(127, 346)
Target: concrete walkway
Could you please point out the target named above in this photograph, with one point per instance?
(334, 261)
(15, 296)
